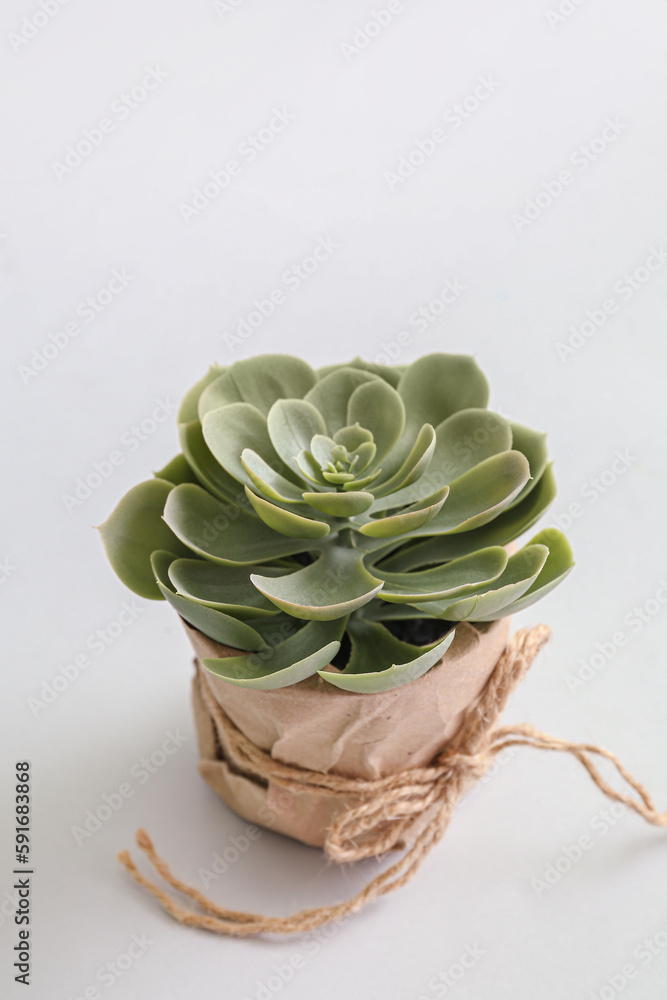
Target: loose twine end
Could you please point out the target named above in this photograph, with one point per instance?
(388, 806)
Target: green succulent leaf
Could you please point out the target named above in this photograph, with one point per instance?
(223, 532)
(224, 588)
(413, 467)
(134, 530)
(177, 471)
(379, 408)
(408, 520)
(464, 440)
(390, 373)
(286, 521)
(479, 495)
(332, 587)
(520, 573)
(339, 504)
(220, 627)
(532, 444)
(331, 395)
(393, 663)
(230, 430)
(559, 563)
(438, 385)
(267, 480)
(207, 470)
(292, 424)
(453, 579)
(504, 529)
(189, 409)
(295, 659)
(258, 381)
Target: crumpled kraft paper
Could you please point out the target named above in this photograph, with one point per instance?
(316, 726)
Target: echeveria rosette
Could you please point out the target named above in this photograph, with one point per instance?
(309, 506)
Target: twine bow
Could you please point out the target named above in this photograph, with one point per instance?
(389, 807)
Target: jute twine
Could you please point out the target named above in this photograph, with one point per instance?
(387, 806)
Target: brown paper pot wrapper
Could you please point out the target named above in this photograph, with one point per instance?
(316, 726)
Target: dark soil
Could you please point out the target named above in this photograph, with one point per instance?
(417, 631)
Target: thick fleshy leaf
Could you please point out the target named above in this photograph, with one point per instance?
(560, 562)
(134, 530)
(379, 408)
(481, 494)
(332, 587)
(532, 444)
(259, 381)
(331, 395)
(189, 409)
(224, 532)
(218, 626)
(412, 468)
(321, 448)
(379, 661)
(464, 440)
(501, 531)
(286, 521)
(520, 573)
(177, 471)
(390, 373)
(339, 504)
(438, 385)
(453, 579)
(353, 436)
(378, 611)
(208, 471)
(225, 588)
(293, 660)
(309, 470)
(361, 484)
(267, 480)
(410, 519)
(292, 424)
(230, 430)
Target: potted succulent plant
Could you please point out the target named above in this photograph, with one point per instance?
(339, 545)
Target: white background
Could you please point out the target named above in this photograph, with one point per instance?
(355, 113)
